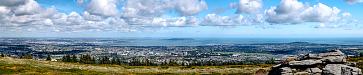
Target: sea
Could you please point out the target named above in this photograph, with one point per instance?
(230, 41)
(192, 41)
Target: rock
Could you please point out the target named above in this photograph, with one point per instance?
(334, 59)
(275, 66)
(332, 53)
(332, 69)
(301, 73)
(286, 71)
(340, 69)
(330, 63)
(305, 62)
(314, 71)
(312, 56)
(290, 58)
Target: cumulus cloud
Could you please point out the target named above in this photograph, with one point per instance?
(247, 6)
(29, 16)
(137, 8)
(30, 7)
(164, 21)
(235, 20)
(100, 15)
(320, 13)
(12, 2)
(113, 15)
(141, 8)
(4, 10)
(152, 12)
(293, 11)
(346, 21)
(103, 7)
(190, 7)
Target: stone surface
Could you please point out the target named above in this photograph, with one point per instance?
(312, 56)
(334, 59)
(330, 63)
(286, 70)
(340, 69)
(332, 69)
(301, 73)
(275, 66)
(305, 62)
(332, 53)
(316, 70)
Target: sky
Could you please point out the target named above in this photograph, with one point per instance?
(181, 18)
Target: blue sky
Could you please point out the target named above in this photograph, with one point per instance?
(181, 18)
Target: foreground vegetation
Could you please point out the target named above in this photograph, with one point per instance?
(358, 60)
(28, 66)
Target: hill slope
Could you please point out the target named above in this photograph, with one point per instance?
(28, 66)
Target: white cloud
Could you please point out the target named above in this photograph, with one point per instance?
(353, 1)
(80, 1)
(346, 22)
(91, 17)
(145, 8)
(103, 7)
(248, 6)
(235, 20)
(163, 21)
(152, 12)
(29, 16)
(155, 8)
(4, 10)
(346, 14)
(287, 12)
(292, 11)
(12, 2)
(31, 7)
(190, 7)
(75, 22)
(104, 15)
(320, 13)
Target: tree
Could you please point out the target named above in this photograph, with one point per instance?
(66, 58)
(361, 54)
(105, 60)
(27, 56)
(49, 58)
(86, 59)
(2, 55)
(118, 60)
(93, 60)
(271, 61)
(74, 58)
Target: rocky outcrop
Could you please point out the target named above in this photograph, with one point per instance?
(330, 63)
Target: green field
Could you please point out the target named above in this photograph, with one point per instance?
(28, 66)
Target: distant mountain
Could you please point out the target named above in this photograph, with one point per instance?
(179, 39)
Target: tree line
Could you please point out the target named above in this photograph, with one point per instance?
(88, 59)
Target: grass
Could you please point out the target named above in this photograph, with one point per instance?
(31, 67)
(358, 60)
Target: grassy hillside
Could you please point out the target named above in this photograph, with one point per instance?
(28, 66)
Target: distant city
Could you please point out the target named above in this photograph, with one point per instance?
(58, 48)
